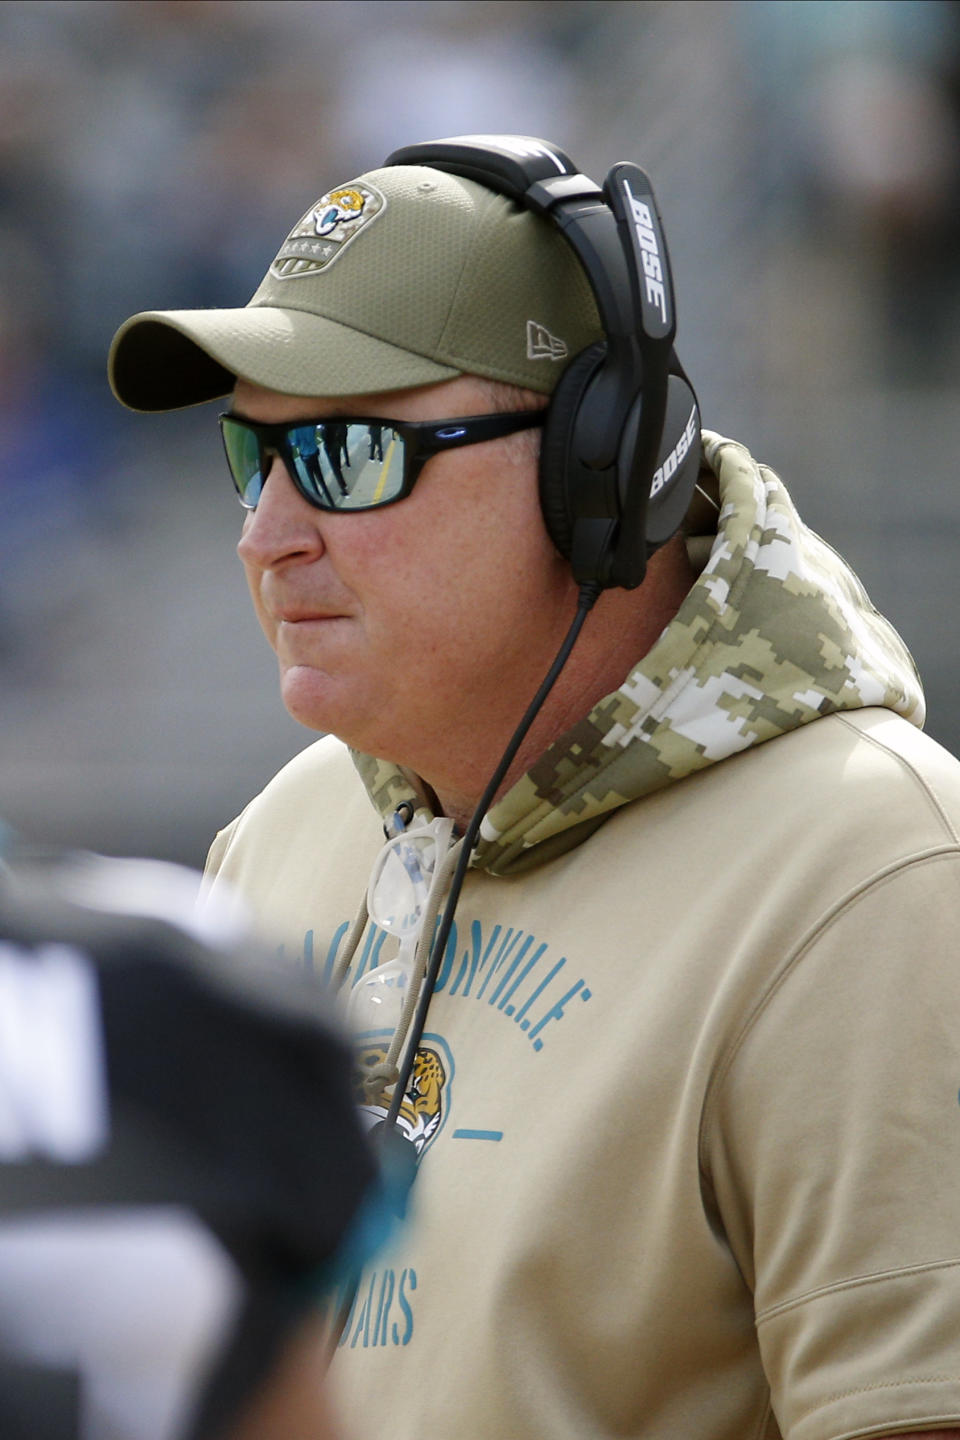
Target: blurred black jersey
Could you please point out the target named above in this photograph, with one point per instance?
(182, 1173)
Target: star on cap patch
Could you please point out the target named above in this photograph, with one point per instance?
(327, 229)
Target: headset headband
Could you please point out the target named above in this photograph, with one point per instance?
(618, 434)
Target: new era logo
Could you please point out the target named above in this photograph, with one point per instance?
(541, 345)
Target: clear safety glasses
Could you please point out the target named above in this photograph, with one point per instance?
(353, 462)
(403, 896)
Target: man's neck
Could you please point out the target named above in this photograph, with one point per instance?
(617, 633)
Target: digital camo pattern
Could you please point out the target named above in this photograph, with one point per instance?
(776, 631)
(390, 786)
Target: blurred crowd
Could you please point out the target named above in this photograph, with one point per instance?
(153, 154)
(860, 104)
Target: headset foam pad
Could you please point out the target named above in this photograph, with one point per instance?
(556, 471)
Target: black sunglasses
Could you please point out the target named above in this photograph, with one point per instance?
(351, 462)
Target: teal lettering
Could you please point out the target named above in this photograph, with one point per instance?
(307, 956)
(369, 1322)
(471, 959)
(555, 1013)
(504, 1003)
(363, 1318)
(332, 949)
(383, 1308)
(450, 954)
(497, 969)
(407, 1277)
(518, 1018)
(513, 965)
(509, 940)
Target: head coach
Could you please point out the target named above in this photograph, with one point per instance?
(655, 975)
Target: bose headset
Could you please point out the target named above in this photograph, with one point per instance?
(621, 442)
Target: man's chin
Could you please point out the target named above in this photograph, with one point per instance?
(325, 704)
(307, 695)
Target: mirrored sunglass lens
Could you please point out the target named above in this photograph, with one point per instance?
(348, 466)
(243, 457)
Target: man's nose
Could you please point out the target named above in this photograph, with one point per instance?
(283, 528)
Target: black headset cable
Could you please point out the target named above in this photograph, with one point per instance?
(398, 1151)
(587, 598)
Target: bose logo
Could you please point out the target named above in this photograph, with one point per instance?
(665, 473)
(650, 253)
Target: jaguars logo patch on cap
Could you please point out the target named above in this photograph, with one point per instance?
(327, 229)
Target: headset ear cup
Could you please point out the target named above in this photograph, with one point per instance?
(678, 463)
(556, 443)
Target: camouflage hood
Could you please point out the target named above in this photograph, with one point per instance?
(776, 632)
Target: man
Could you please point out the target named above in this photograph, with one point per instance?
(685, 1095)
(163, 1246)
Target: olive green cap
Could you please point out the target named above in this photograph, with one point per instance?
(403, 277)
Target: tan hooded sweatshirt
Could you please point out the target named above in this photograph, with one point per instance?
(686, 1104)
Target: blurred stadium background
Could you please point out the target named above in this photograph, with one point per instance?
(154, 154)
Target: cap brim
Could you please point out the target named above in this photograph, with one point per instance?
(167, 359)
